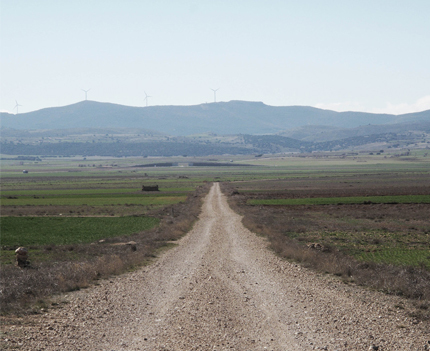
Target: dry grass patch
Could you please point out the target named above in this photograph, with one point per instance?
(349, 239)
(75, 266)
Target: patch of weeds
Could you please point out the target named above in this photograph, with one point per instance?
(41, 305)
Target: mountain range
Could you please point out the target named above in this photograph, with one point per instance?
(224, 118)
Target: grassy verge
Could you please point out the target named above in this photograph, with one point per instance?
(383, 246)
(62, 265)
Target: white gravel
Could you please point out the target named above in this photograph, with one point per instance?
(222, 289)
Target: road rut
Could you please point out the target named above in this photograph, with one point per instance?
(222, 289)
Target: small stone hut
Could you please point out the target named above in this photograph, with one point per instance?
(150, 188)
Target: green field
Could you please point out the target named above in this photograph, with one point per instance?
(401, 199)
(71, 207)
(58, 188)
(407, 247)
(376, 213)
(63, 192)
(398, 257)
(95, 200)
(27, 231)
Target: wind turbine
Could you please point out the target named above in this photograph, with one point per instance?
(86, 91)
(214, 90)
(146, 98)
(16, 106)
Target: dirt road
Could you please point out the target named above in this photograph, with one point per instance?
(221, 289)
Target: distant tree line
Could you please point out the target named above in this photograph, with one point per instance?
(251, 144)
(353, 141)
(123, 149)
(276, 143)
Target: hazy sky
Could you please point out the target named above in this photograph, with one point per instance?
(368, 55)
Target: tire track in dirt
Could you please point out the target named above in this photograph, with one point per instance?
(210, 307)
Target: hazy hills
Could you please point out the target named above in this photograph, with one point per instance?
(234, 117)
(237, 127)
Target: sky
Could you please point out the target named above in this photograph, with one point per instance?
(343, 55)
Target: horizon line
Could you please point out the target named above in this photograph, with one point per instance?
(220, 102)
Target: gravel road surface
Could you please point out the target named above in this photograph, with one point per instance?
(222, 289)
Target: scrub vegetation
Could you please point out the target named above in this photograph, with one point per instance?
(369, 228)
